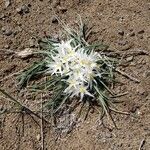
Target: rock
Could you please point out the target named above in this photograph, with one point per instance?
(54, 19)
(3, 29)
(147, 74)
(24, 9)
(62, 9)
(19, 29)
(133, 64)
(55, 3)
(32, 42)
(126, 47)
(6, 31)
(141, 32)
(140, 36)
(118, 18)
(131, 34)
(134, 108)
(2, 16)
(19, 10)
(129, 58)
(139, 112)
(108, 135)
(27, 52)
(121, 32)
(7, 46)
(122, 42)
(7, 3)
(38, 137)
(15, 33)
(56, 37)
(141, 91)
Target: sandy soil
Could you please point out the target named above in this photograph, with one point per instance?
(124, 26)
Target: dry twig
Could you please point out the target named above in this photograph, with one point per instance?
(127, 75)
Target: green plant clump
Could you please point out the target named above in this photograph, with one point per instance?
(76, 70)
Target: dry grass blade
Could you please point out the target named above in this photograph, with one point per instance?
(127, 75)
(105, 106)
(22, 108)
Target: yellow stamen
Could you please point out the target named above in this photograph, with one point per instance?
(82, 89)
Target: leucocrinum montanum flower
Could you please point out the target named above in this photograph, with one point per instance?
(79, 68)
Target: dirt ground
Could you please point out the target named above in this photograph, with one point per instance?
(124, 25)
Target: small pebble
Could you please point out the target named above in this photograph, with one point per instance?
(127, 46)
(54, 19)
(129, 58)
(141, 32)
(122, 42)
(140, 36)
(147, 74)
(134, 108)
(32, 42)
(108, 135)
(139, 112)
(62, 9)
(56, 37)
(27, 52)
(19, 10)
(7, 3)
(121, 32)
(3, 29)
(7, 46)
(118, 18)
(19, 29)
(142, 92)
(38, 137)
(55, 3)
(6, 31)
(24, 9)
(131, 34)
(2, 16)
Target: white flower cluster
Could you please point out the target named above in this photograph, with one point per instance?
(79, 67)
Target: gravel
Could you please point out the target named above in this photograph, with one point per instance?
(6, 31)
(54, 19)
(2, 16)
(33, 43)
(7, 3)
(121, 32)
(129, 58)
(131, 34)
(23, 9)
(141, 32)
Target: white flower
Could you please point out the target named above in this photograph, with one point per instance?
(64, 48)
(80, 67)
(80, 90)
(55, 68)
